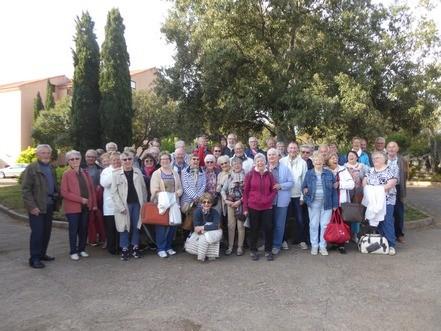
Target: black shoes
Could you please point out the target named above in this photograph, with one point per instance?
(135, 253)
(125, 255)
(47, 258)
(36, 264)
(254, 256)
(269, 256)
(342, 250)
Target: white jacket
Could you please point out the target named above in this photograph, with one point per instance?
(106, 183)
(298, 169)
(374, 198)
(346, 183)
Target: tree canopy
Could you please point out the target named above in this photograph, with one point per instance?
(330, 69)
(86, 126)
(116, 93)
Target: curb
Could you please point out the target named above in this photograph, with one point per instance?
(418, 224)
(413, 183)
(25, 218)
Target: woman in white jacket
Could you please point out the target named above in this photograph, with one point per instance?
(109, 218)
(344, 183)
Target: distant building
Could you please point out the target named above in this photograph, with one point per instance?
(17, 101)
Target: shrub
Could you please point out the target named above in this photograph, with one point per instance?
(28, 155)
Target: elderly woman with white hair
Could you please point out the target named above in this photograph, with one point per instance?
(258, 197)
(321, 197)
(382, 174)
(111, 147)
(79, 198)
(223, 163)
(211, 180)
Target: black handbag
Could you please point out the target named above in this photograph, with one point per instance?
(353, 212)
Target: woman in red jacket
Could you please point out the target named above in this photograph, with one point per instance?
(259, 193)
(79, 197)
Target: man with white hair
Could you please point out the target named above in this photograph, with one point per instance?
(111, 147)
(179, 162)
(40, 193)
(402, 166)
(231, 142)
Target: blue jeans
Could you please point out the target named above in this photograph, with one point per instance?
(41, 228)
(387, 227)
(133, 211)
(295, 209)
(78, 231)
(318, 217)
(399, 214)
(164, 237)
(355, 228)
(279, 220)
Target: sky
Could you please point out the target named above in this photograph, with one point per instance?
(36, 37)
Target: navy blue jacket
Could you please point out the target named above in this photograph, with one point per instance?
(212, 217)
(328, 180)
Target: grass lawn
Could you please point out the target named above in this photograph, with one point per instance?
(10, 196)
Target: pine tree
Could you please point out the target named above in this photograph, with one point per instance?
(86, 128)
(50, 102)
(38, 105)
(116, 103)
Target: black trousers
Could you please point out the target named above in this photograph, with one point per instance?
(261, 219)
(41, 228)
(111, 234)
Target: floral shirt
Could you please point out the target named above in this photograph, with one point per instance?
(211, 184)
(381, 178)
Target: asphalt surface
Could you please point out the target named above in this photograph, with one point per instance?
(427, 199)
(297, 291)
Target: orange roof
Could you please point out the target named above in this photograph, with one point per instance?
(17, 85)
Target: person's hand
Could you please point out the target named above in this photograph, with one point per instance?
(334, 209)
(301, 202)
(124, 211)
(336, 184)
(245, 213)
(277, 187)
(305, 190)
(95, 208)
(84, 201)
(35, 211)
(236, 204)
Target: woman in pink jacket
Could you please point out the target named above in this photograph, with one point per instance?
(258, 195)
(79, 198)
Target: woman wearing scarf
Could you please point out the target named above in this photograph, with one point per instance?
(149, 166)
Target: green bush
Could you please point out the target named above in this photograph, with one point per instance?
(60, 171)
(402, 139)
(28, 155)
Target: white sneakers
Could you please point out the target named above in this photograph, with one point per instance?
(75, 257)
(315, 251)
(303, 246)
(84, 254)
(162, 254)
(392, 251)
(171, 252)
(285, 245)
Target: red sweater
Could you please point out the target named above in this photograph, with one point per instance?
(70, 191)
(258, 192)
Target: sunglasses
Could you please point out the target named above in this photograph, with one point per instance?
(206, 202)
(74, 159)
(223, 163)
(209, 162)
(217, 151)
(128, 159)
(148, 161)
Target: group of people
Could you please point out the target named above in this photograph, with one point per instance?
(222, 190)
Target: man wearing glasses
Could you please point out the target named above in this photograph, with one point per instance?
(231, 142)
(305, 154)
(39, 189)
(254, 148)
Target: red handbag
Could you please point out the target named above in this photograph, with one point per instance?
(150, 215)
(337, 231)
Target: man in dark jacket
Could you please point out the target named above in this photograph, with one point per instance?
(39, 189)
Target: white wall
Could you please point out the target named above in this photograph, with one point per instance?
(10, 124)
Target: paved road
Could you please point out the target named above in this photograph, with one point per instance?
(294, 292)
(427, 199)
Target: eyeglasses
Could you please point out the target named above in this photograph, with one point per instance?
(128, 159)
(74, 159)
(149, 160)
(217, 151)
(305, 152)
(206, 202)
(209, 162)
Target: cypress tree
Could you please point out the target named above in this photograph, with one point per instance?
(38, 105)
(86, 128)
(50, 102)
(116, 103)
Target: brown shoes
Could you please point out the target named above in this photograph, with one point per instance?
(401, 240)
